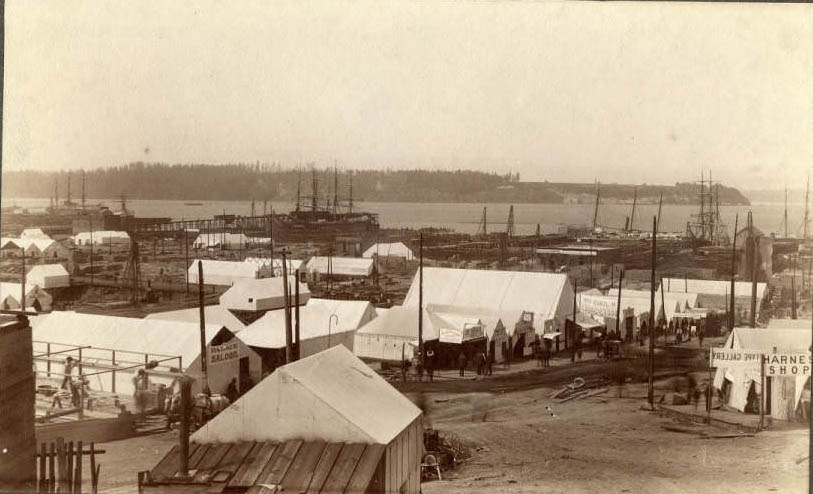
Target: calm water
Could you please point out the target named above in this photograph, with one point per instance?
(466, 217)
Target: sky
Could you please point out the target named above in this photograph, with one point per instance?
(581, 91)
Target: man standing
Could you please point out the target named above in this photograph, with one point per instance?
(461, 363)
(67, 373)
(430, 364)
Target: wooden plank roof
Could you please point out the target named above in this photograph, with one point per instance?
(295, 466)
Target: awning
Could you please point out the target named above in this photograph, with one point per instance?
(551, 336)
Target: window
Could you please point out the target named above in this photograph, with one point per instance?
(250, 299)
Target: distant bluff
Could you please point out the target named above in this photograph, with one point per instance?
(277, 183)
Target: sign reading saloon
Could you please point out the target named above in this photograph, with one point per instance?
(227, 352)
(727, 357)
(797, 364)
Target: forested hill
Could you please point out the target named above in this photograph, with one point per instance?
(272, 182)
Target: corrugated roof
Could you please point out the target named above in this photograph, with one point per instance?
(492, 290)
(341, 266)
(293, 466)
(123, 333)
(330, 396)
(269, 330)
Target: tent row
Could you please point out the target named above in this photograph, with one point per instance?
(33, 247)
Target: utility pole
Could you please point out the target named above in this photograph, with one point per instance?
(420, 298)
(807, 206)
(793, 290)
(754, 273)
(573, 327)
(731, 315)
(90, 223)
(618, 305)
(651, 390)
(296, 314)
(288, 342)
(186, 256)
(595, 212)
(203, 357)
(22, 295)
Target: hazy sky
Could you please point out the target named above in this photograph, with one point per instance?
(557, 91)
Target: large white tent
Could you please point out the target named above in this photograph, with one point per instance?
(393, 249)
(316, 329)
(349, 267)
(49, 276)
(548, 297)
(262, 294)
(213, 314)
(143, 339)
(716, 294)
(35, 297)
(785, 392)
(223, 273)
(333, 397)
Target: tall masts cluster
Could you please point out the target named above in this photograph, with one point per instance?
(707, 225)
(337, 202)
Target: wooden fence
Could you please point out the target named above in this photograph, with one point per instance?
(60, 467)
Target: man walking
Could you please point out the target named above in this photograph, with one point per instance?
(461, 363)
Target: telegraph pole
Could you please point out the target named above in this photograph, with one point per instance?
(420, 299)
(651, 390)
(731, 314)
(203, 356)
(288, 342)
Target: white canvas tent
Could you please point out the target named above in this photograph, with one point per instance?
(333, 397)
(223, 273)
(49, 276)
(785, 392)
(548, 296)
(262, 294)
(715, 294)
(35, 297)
(394, 249)
(213, 314)
(31, 233)
(389, 336)
(349, 267)
(102, 238)
(222, 240)
(177, 340)
(316, 330)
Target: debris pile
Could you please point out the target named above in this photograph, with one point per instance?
(581, 388)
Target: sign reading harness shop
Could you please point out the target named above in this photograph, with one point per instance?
(227, 352)
(794, 364)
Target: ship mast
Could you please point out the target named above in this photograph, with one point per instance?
(314, 190)
(298, 186)
(702, 207)
(350, 203)
(68, 201)
(83, 190)
(786, 212)
(335, 188)
(634, 200)
(595, 213)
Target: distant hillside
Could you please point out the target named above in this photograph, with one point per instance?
(272, 182)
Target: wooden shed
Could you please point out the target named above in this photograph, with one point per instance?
(290, 466)
(330, 397)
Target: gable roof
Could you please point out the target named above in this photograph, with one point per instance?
(42, 270)
(495, 290)
(214, 314)
(784, 340)
(393, 249)
(269, 330)
(712, 287)
(402, 321)
(329, 396)
(264, 293)
(156, 336)
(341, 266)
(14, 290)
